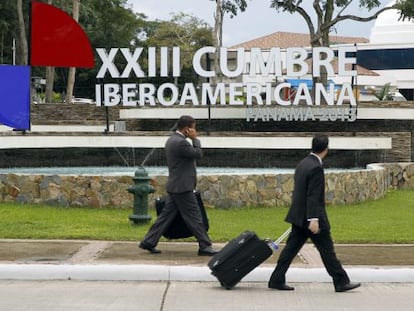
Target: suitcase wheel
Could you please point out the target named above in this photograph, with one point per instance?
(225, 286)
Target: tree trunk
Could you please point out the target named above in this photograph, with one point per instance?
(50, 79)
(72, 70)
(22, 43)
(218, 38)
(325, 43)
(329, 9)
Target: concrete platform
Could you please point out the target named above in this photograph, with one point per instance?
(93, 140)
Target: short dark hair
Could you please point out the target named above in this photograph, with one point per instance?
(319, 143)
(185, 121)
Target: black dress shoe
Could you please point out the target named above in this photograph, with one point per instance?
(281, 287)
(149, 248)
(208, 251)
(347, 287)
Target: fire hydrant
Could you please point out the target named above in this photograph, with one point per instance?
(140, 189)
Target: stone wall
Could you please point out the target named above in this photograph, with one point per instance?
(65, 114)
(220, 191)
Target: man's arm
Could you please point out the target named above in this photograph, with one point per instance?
(313, 199)
(193, 151)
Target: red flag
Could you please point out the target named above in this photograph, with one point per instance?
(57, 39)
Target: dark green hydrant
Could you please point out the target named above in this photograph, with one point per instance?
(140, 189)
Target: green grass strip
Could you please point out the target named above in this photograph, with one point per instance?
(388, 220)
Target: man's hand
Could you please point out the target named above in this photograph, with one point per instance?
(314, 226)
(191, 133)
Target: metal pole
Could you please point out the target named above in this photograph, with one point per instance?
(14, 51)
(208, 64)
(355, 80)
(107, 119)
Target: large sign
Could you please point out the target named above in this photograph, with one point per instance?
(264, 101)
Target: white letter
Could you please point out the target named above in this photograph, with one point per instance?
(132, 63)
(329, 97)
(98, 95)
(346, 87)
(173, 91)
(152, 62)
(233, 93)
(253, 90)
(176, 62)
(239, 63)
(189, 93)
(197, 62)
(278, 91)
(343, 60)
(146, 93)
(111, 96)
(250, 113)
(319, 62)
(206, 93)
(107, 63)
(128, 94)
(268, 94)
(164, 62)
(302, 93)
(273, 64)
(296, 57)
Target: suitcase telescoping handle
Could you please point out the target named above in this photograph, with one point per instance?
(274, 245)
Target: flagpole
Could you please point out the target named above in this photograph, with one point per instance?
(29, 60)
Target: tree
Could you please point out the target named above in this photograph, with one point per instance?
(108, 24)
(185, 31)
(8, 30)
(50, 78)
(22, 34)
(222, 7)
(72, 70)
(331, 12)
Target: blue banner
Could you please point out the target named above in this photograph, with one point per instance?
(15, 96)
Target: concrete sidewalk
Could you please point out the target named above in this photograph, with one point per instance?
(40, 275)
(117, 260)
(200, 296)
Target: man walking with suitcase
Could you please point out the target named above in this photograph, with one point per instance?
(309, 219)
(182, 178)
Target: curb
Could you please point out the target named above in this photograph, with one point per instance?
(109, 272)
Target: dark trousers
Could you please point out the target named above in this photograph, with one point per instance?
(185, 204)
(324, 244)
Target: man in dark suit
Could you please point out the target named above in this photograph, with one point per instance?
(309, 219)
(182, 179)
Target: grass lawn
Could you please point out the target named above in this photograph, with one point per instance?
(388, 220)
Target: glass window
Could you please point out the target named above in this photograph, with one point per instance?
(383, 59)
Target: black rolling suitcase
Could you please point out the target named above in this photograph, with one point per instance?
(240, 256)
(178, 229)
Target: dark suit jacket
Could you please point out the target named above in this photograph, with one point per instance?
(308, 199)
(181, 161)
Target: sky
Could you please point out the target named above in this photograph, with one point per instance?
(258, 20)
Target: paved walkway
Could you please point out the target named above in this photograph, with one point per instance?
(200, 296)
(73, 275)
(108, 260)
